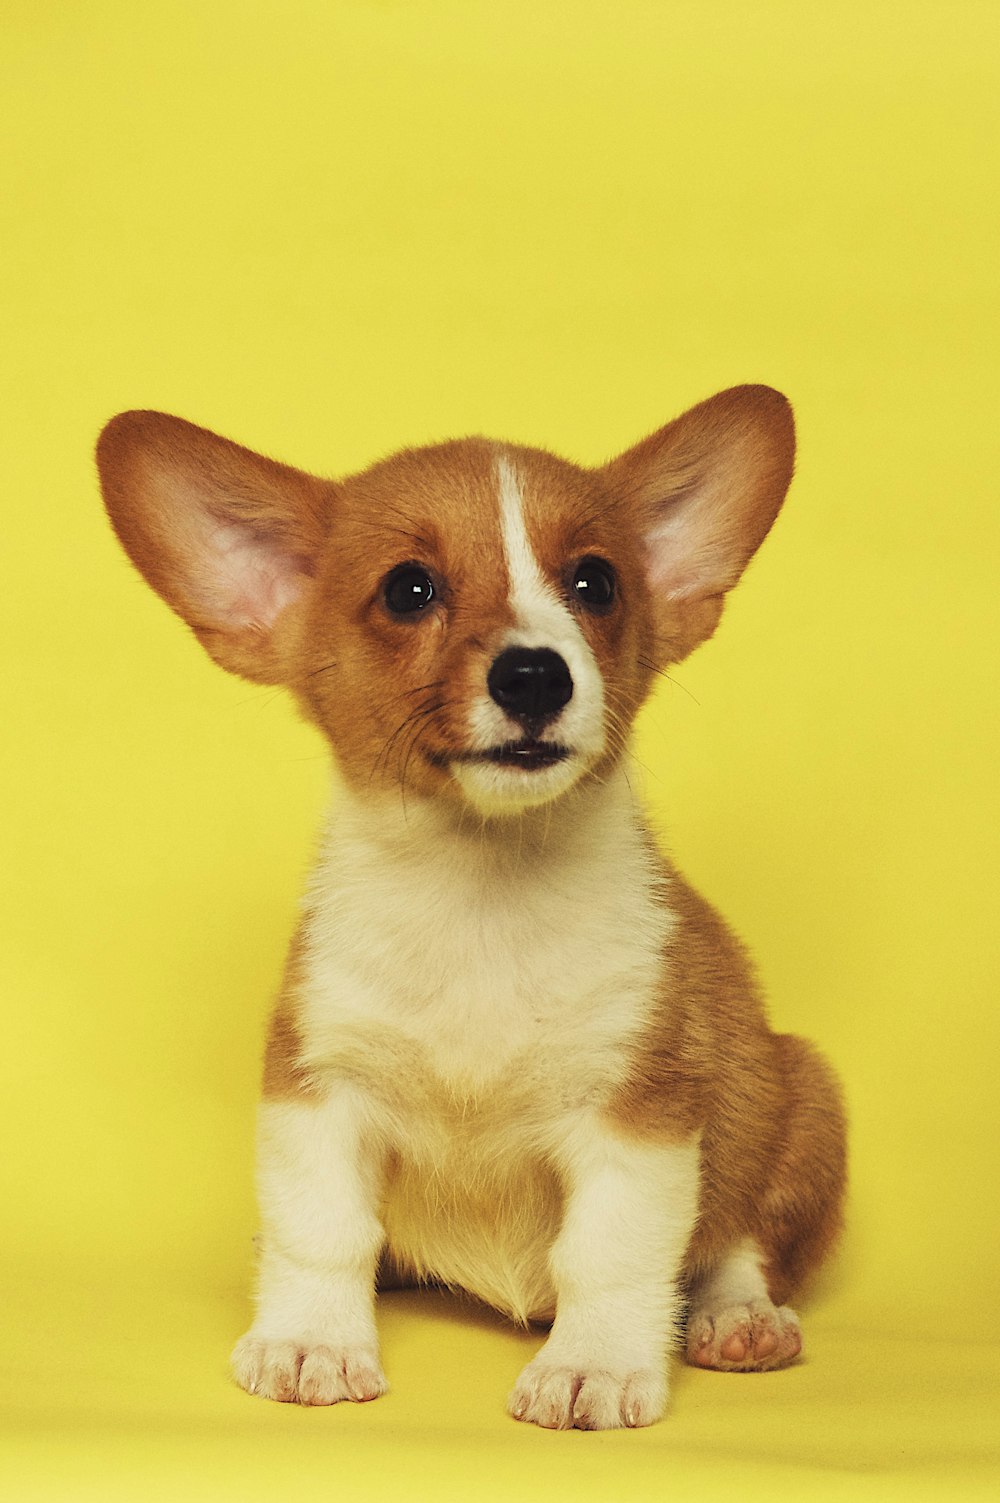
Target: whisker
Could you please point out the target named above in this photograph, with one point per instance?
(262, 698)
(662, 673)
(412, 744)
(620, 738)
(317, 671)
(405, 738)
(382, 759)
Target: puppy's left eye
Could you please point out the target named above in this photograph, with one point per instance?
(594, 583)
(408, 589)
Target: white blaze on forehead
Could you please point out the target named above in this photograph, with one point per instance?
(542, 617)
(528, 589)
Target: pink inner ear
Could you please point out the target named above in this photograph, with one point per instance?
(244, 579)
(688, 552)
(667, 564)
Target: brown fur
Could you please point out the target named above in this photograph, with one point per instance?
(768, 1108)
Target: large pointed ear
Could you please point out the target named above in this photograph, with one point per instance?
(227, 537)
(705, 490)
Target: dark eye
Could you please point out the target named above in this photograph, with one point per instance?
(594, 583)
(408, 589)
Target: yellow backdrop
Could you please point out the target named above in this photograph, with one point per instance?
(329, 227)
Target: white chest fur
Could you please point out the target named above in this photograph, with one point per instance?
(482, 987)
(474, 945)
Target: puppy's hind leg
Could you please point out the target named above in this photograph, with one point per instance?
(732, 1323)
(738, 1321)
(801, 1210)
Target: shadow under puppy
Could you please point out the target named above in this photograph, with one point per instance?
(513, 1052)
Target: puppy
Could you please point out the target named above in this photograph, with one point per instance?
(514, 1053)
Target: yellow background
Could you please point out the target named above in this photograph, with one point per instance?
(327, 229)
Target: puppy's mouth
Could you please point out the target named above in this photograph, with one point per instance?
(528, 755)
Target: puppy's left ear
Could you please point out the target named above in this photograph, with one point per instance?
(705, 490)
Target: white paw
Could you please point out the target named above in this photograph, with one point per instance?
(585, 1396)
(294, 1372)
(745, 1338)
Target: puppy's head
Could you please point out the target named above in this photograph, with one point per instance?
(474, 620)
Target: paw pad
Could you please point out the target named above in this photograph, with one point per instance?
(755, 1337)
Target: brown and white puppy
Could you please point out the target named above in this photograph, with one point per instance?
(514, 1053)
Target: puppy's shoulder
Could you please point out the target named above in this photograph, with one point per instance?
(707, 1033)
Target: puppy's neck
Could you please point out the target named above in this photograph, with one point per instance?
(587, 823)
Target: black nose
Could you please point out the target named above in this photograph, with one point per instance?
(530, 683)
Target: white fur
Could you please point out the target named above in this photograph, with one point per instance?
(319, 1181)
(478, 987)
(529, 593)
(738, 1279)
(542, 620)
(630, 1211)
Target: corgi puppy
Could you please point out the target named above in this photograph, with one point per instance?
(513, 1053)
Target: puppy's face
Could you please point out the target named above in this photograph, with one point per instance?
(480, 626)
(474, 620)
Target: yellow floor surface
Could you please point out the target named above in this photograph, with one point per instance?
(122, 1394)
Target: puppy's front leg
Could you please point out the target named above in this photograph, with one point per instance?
(314, 1339)
(630, 1210)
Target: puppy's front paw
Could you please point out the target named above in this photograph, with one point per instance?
(586, 1396)
(294, 1372)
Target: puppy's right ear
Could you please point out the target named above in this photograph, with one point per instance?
(227, 537)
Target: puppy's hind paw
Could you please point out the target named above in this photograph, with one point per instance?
(750, 1338)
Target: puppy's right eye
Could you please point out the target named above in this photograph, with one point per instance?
(408, 589)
